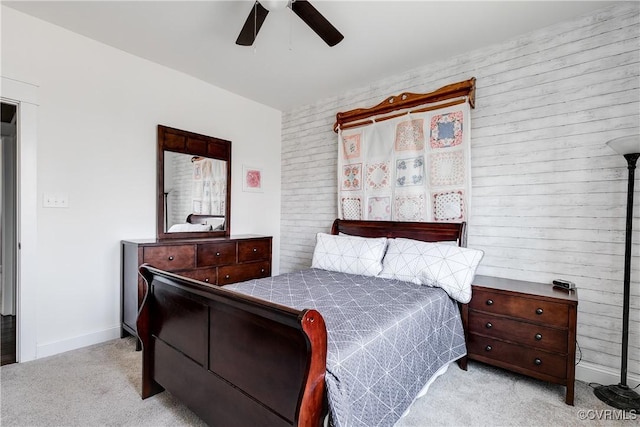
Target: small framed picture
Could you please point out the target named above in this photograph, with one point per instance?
(251, 179)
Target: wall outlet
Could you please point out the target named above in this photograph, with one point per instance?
(57, 200)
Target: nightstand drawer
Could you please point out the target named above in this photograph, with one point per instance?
(171, 257)
(213, 254)
(536, 361)
(545, 312)
(242, 272)
(528, 334)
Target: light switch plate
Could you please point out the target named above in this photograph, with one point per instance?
(55, 200)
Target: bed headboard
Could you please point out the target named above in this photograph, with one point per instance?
(201, 219)
(215, 221)
(425, 231)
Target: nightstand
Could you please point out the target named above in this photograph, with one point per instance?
(525, 327)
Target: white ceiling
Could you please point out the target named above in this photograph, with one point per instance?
(289, 65)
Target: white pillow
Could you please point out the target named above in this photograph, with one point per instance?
(349, 254)
(404, 260)
(451, 268)
(178, 228)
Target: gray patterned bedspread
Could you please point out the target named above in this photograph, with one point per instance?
(385, 338)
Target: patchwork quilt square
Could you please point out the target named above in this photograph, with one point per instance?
(447, 168)
(446, 130)
(351, 208)
(351, 146)
(410, 172)
(410, 135)
(379, 208)
(378, 175)
(448, 206)
(410, 207)
(352, 177)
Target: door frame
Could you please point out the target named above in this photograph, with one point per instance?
(25, 96)
(9, 212)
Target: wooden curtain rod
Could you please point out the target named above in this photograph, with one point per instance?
(405, 100)
(382, 119)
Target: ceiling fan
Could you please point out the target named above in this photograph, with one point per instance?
(302, 8)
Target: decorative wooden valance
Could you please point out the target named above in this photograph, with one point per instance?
(456, 92)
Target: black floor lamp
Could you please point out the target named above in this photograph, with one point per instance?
(620, 395)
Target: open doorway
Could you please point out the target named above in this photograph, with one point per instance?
(8, 232)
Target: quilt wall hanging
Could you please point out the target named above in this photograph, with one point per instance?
(209, 186)
(413, 166)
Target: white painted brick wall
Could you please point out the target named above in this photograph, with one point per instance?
(548, 194)
(180, 198)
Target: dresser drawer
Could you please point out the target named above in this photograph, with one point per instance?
(171, 257)
(239, 273)
(254, 250)
(528, 334)
(208, 275)
(548, 313)
(536, 361)
(213, 254)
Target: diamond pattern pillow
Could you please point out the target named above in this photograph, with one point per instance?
(349, 254)
(433, 264)
(451, 268)
(404, 260)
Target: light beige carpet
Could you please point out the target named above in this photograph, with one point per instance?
(99, 385)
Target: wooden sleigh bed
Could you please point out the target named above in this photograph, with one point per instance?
(239, 360)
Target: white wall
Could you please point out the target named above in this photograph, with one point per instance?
(179, 168)
(548, 194)
(99, 108)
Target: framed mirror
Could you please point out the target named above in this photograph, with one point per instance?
(193, 192)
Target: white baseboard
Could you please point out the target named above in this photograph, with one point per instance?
(44, 350)
(591, 373)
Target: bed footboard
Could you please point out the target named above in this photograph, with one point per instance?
(231, 358)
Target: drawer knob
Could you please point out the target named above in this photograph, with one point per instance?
(537, 361)
(206, 279)
(217, 253)
(171, 258)
(539, 311)
(227, 276)
(538, 337)
(262, 270)
(255, 250)
(489, 325)
(488, 348)
(489, 302)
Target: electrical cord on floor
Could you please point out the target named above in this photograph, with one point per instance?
(580, 352)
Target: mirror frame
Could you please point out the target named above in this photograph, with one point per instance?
(180, 141)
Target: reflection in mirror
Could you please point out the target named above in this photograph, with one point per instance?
(195, 190)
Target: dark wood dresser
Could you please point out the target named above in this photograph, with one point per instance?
(525, 327)
(219, 261)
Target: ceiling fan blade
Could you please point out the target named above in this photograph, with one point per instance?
(317, 22)
(252, 25)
